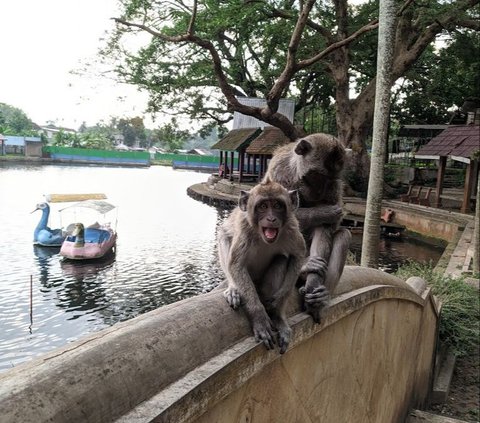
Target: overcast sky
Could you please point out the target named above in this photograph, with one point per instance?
(41, 42)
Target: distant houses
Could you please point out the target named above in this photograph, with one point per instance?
(51, 130)
(26, 146)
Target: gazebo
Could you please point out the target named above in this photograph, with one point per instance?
(460, 143)
(236, 141)
(263, 146)
(248, 131)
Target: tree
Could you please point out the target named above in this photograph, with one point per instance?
(170, 137)
(440, 80)
(200, 58)
(371, 234)
(133, 131)
(14, 121)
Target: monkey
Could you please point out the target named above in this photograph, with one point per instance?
(313, 165)
(261, 251)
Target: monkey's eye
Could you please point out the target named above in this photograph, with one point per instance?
(277, 205)
(263, 206)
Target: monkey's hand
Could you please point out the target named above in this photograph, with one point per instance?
(263, 330)
(233, 297)
(314, 265)
(283, 338)
(316, 300)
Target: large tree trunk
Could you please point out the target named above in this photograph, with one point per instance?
(476, 232)
(371, 233)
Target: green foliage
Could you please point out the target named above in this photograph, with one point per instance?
(252, 39)
(440, 81)
(170, 137)
(88, 139)
(14, 121)
(460, 315)
(133, 131)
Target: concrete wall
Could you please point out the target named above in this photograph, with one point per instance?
(427, 221)
(369, 360)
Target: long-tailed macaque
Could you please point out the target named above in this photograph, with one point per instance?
(313, 165)
(261, 251)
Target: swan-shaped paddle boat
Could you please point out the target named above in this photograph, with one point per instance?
(43, 235)
(91, 242)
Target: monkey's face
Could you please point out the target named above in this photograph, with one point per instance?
(268, 206)
(320, 156)
(270, 215)
(320, 161)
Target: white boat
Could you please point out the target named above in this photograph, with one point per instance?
(92, 241)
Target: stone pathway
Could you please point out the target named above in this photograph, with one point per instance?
(462, 255)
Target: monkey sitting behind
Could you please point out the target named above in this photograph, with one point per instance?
(261, 251)
(313, 165)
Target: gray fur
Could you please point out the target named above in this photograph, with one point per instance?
(313, 165)
(261, 275)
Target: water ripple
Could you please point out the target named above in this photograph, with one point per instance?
(165, 252)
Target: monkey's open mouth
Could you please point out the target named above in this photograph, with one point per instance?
(270, 234)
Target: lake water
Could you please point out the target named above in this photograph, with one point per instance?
(165, 252)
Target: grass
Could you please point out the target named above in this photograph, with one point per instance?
(460, 314)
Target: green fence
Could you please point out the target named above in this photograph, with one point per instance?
(93, 155)
(193, 161)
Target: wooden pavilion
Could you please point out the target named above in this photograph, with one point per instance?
(460, 143)
(235, 142)
(263, 146)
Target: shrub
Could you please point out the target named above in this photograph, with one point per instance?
(460, 314)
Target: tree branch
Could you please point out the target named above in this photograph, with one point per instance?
(308, 62)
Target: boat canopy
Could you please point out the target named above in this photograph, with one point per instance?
(68, 198)
(98, 205)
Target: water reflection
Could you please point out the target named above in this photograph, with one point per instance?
(44, 256)
(393, 252)
(79, 270)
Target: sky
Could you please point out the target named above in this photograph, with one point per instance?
(41, 42)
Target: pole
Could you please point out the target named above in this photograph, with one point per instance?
(386, 42)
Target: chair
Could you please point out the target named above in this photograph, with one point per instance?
(425, 201)
(405, 197)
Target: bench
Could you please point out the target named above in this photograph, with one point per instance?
(414, 195)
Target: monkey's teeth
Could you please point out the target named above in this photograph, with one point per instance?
(270, 233)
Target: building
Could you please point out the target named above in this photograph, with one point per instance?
(26, 146)
(246, 149)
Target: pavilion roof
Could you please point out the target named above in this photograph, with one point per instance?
(236, 139)
(460, 141)
(421, 131)
(269, 139)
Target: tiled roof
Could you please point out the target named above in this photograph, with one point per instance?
(268, 141)
(421, 131)
(461, 141)
(236, 139)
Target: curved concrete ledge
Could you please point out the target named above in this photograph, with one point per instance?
(196, 360)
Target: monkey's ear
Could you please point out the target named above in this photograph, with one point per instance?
(294, 198)
(336, 159)
(303, 147)
(242, 201)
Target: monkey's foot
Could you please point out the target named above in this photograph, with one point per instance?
(315, 312)
(233, 297)
(263, 331)
(314, 264)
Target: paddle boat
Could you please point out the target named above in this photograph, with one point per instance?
(43, 235)
(93, 241)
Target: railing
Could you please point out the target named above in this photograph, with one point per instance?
(370, 359)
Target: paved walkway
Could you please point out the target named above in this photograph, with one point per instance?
(462, 255)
